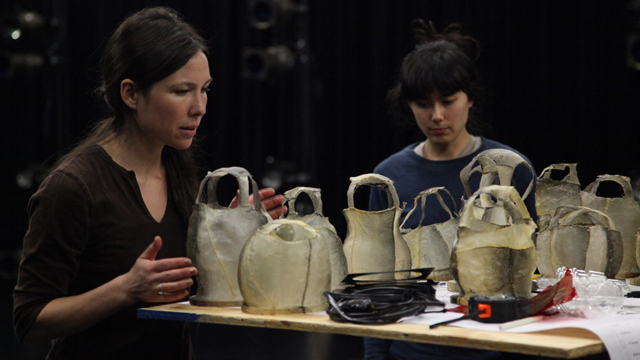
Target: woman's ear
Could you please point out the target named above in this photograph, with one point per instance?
(129, 94)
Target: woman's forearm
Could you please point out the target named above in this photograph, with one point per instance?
(149, 280)
(68, 315)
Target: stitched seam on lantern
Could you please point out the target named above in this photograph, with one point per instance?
(606, 208)
(419, 247)
(215, 251)
(306, 284)
(353, 244)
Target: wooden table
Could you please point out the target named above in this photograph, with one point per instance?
(559, 343)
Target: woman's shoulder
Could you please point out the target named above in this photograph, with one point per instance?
(91, 162)
(81, 170)
(492, 144)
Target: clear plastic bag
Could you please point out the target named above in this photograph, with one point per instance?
(597, 295)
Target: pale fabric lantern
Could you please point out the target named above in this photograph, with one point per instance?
(625, 213)
(216, 236)
(431, 245)
(581, 238)
(495, 258)
(285, 268)
(321, 223)
(374, 242)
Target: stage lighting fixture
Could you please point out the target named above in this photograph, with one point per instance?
(262, 13)
(258, 63)
(266, 13)
(21, 26)
(24, 38)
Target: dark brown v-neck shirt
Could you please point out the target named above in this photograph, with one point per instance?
(88, 224)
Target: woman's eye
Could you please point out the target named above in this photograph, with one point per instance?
(206, 90)
(181, 92)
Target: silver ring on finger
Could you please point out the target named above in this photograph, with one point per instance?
(160, 293)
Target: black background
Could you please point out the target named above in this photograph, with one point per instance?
(558, 75)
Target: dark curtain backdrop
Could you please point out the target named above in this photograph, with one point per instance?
(556, 72)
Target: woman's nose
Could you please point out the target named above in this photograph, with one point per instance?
(199, 107)
(437, 114)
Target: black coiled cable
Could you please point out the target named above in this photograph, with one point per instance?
(382, 302)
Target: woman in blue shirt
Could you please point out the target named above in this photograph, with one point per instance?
(439, 88)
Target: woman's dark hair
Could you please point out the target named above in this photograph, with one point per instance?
(439, 62)
(147, 47)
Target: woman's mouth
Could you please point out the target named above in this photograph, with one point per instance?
(189, 130)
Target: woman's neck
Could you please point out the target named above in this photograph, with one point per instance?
(142, 158)
(146, 163)
(446, 151)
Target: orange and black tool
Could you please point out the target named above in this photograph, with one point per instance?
(497, 308)
(493, 309)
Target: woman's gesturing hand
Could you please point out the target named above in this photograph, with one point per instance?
(165, 280)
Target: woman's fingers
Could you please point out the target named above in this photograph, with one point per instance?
(264, 194)
(154, 280)
(270, 202)
(172, 289)
(170, 297)
(151, 251)
(275, 212)
(170, 264)
(235, 201)
(169, 274)
(174, 278)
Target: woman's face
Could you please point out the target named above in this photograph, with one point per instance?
(442, 118)
(171, 112)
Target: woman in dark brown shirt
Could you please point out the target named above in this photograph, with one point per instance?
(108, 227)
